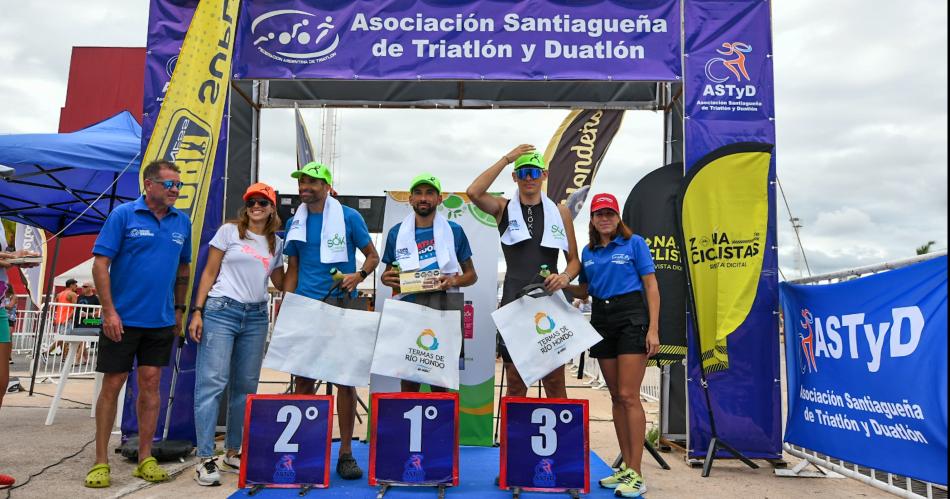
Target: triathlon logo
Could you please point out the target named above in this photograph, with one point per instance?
(543, 323)
(284, 469)
(427, 341)
(544, 474)
(807, 339)
(412, 471)
(735, 66)
(295, 36)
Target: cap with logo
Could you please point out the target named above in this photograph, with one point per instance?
(261, 189)
(315, 170)
(534, 159)
(604, 201)
(426, 178)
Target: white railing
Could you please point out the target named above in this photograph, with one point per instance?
(895, 484)
(61, 318)
(24, 331)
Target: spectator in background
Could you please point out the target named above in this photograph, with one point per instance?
(87, 295)
(70, 295)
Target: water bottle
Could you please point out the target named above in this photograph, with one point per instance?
(545, 272)
(336, 274)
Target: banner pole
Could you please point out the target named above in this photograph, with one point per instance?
(50, 275)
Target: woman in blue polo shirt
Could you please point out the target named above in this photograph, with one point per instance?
(229, 323)
(617, 271)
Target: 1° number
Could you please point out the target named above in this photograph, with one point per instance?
(414, 416)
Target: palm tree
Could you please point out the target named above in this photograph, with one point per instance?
(923, 250)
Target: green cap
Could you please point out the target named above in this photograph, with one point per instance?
(426, 178)
(535, 159)
(315, 170)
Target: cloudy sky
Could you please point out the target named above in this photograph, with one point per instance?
(861, 105)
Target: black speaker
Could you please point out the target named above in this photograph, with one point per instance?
(371, 207)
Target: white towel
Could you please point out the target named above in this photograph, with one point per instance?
(407, 251)
(332, 235)
(554, 235)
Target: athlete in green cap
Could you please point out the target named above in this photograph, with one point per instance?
(534, 231)
(456, 271)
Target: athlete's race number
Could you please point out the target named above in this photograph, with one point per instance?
(414, 438)
(544, 444)
(287, 441)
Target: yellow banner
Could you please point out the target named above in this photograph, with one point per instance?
(725, 214)
(186, 131)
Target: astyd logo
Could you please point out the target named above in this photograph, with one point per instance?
(807, 340)
(427, 340)
(720, 70)
(295, 36)
(544, 475)
(543, 323)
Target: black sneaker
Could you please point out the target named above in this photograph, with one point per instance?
(347, 468)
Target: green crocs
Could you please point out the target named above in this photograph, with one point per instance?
(150, 471)
(98, 477)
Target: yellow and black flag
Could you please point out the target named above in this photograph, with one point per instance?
(724, 213)
(575, 151)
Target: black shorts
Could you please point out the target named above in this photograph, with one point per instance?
(502, 350)
(622, 322)
(149, 346)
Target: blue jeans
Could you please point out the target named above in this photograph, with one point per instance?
(229, 355)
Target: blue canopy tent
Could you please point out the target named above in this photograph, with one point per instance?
(67, 183)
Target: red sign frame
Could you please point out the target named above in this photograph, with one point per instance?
(418, 396)
(503, 454)
(247, 425)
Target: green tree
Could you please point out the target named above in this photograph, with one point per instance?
(923, 250)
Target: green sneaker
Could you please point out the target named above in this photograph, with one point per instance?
(612, 481)
(631, 485)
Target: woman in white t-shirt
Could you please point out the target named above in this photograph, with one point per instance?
(229, 323)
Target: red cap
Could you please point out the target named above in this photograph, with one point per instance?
(602, 201)
(261, 189)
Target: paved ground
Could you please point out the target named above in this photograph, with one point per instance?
(27, 446)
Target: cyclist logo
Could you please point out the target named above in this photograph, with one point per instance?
(807, 342)
(544, 474)
(287, 35)
(427, 340)
(412, 471)
(735, 66)
(284, 469)
(543, 323)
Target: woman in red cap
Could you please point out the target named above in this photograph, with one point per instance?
(229, 323)
(617, 271)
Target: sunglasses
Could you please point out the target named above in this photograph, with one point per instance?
(263, 203)
(528, 172)
(168, 184)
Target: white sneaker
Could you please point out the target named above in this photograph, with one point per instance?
(231, 464)
(206, 473)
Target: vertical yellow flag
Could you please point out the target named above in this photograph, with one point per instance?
(189, 122)
(725, 215)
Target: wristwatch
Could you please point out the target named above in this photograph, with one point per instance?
(363, 273)
(181, 307)
(200, 310)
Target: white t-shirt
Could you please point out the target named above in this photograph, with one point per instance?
(246, 266)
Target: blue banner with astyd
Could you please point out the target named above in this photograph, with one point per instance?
(867, 369)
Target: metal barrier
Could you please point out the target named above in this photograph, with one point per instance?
(895, 484)
(61, 318)
(24, 331)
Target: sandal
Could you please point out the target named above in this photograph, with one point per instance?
(98, 476)
(150, 471)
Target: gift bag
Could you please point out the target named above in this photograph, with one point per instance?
(418, 343)
(321, 341)
(543, 332)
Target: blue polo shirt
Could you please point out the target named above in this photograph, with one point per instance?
(615, 269)
(313, 276)
(145, 254)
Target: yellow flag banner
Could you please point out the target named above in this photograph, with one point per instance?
(724, 213)
(188, 125)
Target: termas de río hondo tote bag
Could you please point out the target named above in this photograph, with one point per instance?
(542, 332)
(322, 341)
(418, 343)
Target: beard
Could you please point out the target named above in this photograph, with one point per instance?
(423, 210)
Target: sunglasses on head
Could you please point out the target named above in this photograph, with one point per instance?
(168, 184)
(528, 172)
(263, 203)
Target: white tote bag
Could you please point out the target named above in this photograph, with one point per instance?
(321, 341)
(418, 343)
(543, 332)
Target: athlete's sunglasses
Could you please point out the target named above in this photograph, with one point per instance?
(168, 184)
(263, 203)
(528, 172)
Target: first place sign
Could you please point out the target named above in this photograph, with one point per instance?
(287, 441)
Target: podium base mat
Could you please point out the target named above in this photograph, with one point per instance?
(478, 468)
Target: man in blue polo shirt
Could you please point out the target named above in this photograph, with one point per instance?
(141, 271)
(322, 236)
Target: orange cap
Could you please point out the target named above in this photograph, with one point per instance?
(261, 189)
